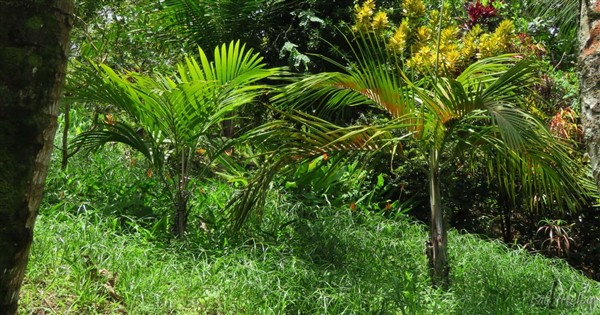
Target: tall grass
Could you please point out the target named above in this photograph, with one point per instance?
(102, 246)
(337, 263)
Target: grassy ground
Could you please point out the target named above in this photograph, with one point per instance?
(337, 263)
(102, 247)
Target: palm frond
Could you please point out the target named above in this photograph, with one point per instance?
(209, 23)
(180, 108)
(563, 14)
(370, 79)
(285, 144)
(477, 112)
(119, 133)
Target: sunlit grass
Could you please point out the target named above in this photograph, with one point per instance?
(95, 253)
(338, 263)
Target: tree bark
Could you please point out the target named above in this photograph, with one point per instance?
(33, 55)
(589, 61)
(65, 137)
(437, 250)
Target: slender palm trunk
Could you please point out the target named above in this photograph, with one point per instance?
(33, 56)
(181, 214)
(438, 242)
(181, 211)
(506, 206)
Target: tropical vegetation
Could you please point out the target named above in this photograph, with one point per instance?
(179, 118)
(345, 157)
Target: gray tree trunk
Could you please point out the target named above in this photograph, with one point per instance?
(34, 40)
(589, 60)
(437, 249)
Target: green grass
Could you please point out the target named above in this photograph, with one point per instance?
(104, 217)
(337, 263)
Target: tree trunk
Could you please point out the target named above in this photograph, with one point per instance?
(33, 55)
(65, 137)
(181, 214)
(506, 206)
(437, 250)
(589, 59)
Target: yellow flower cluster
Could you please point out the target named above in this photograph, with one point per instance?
(416, 37)
(413, 10)
(498, 42)
(469, 44)
(446, 54)
(363, 15)
(447, 19)
(365, 21)
(397, 43)
(380, 22)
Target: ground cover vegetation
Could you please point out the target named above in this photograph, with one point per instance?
(216, 181)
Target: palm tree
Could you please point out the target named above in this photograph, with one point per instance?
(477, 113)
(179, 115)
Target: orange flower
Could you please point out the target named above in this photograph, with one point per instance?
(111, 120)
(200, 151)
(325, 157)
(388, 207)
(149, 172)
(353, 206)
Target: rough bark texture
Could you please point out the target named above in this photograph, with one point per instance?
(34, 36)
(589, 60)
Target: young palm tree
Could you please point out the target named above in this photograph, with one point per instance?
(474, 114)
(178, 115)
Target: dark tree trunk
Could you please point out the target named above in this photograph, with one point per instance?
(181, 215)
(505, 205)
(589, 59)
(34, 41)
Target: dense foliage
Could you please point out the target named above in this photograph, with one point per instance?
(304, 189)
